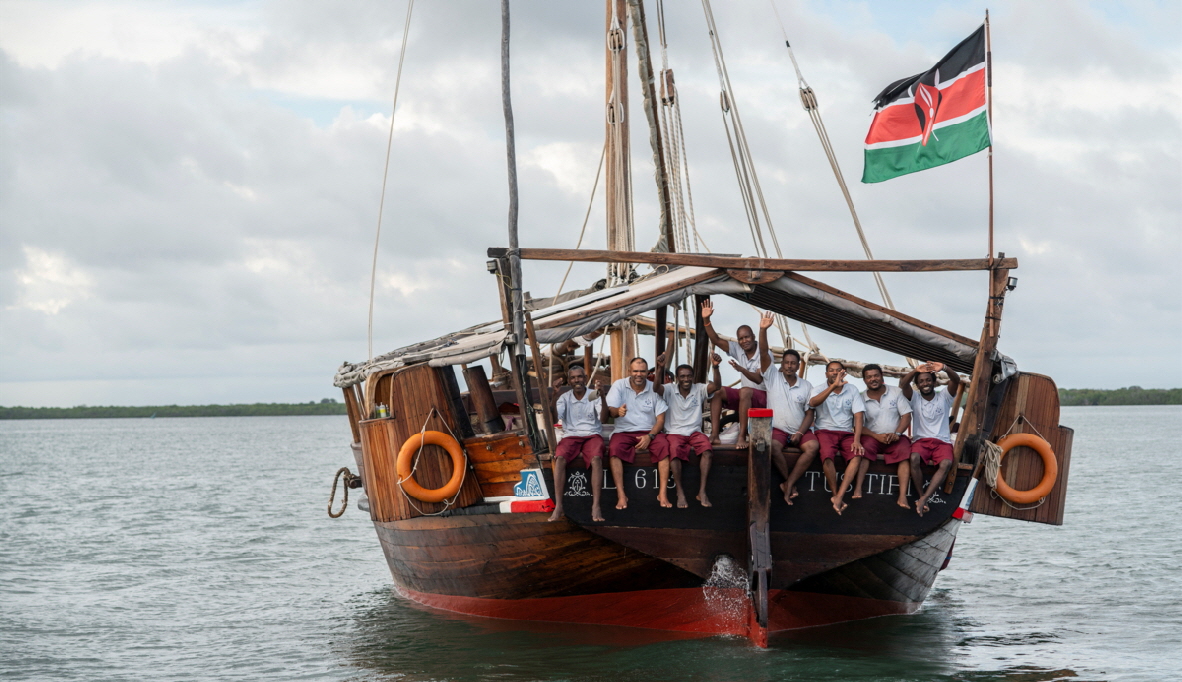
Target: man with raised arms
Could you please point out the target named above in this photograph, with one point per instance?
(640, 416)
(931, 411)
(745, 360)
(888, 416)
(683, 428)
(582, 417)
(792, 418)
(839, 429)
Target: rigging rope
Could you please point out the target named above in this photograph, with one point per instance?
(373, 273)
(808, 100)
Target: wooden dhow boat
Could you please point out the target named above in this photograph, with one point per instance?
(457, 478)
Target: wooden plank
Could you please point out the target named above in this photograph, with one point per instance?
(748, 263)
(623, 300)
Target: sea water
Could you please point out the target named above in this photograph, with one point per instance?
(194, 549)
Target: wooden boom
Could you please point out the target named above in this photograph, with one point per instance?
(749, 263)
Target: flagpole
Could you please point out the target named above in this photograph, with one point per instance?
(989, 116)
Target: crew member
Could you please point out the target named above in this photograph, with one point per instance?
(745, 360)
(792, 418)
(839, 429)
(931, 410)
(640, 416)
(888, 416)
(581, 414)
(683, 429)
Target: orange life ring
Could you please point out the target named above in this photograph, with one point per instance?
(1050, 467)
(406, 475)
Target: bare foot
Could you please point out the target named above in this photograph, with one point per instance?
(662, 500)
(703, 499)
(623, 503)
(742, 444)
(716, 441)
(856, 496)
(596, 514)
(556, 515)
(902, 502)
(921, 506)
(838, 505)
(787, 493)
(794, 492)
(681, 503)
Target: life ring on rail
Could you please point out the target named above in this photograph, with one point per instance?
(1050, 467)
(406, 475)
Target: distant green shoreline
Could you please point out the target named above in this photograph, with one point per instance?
(114, 412)
(1132, 395)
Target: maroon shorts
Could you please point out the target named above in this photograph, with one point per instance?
(680, 446)
(623, 446)
(571, 447)
(731, 399)
(833, 442)
(892, 454)
(781, 437)
(932, 450)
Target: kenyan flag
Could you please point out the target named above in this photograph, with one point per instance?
(932, 118)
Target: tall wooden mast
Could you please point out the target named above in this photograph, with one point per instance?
(618, 167)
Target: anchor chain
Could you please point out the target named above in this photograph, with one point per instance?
(351, 481)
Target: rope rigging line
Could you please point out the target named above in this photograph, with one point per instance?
(808, 100)
(373, 273)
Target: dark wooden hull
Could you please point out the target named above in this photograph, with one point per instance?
(876, 559)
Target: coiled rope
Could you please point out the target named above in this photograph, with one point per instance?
(349, 477)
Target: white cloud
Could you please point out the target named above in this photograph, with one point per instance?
(49, 282)
(189, 191)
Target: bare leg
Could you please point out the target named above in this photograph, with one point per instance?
(559, 484)
(716, 415)
(596, 487)
(863, 465)
(808, 452)
(921, 505)
(617, 466)
(744, 405)
(704, 468)
(663, 482)
(830, 475)
(904, 471)
(851, 472)
(675, 464)
(916, 476)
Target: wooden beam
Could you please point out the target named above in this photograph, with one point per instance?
(750, 263)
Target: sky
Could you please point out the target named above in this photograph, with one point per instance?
(189, 190)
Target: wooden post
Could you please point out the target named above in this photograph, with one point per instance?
(482, 399)
(701, 342)
(661, 335)
(644, 64)
(353, 411)
(759, 482)
(989, 122)
(543, 388)
(982, 379)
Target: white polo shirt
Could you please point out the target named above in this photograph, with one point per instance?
(736, 351)
(930, 417)
(684, 417)
(882, 415)
(838, 410)
(579, 417)
(788, 403)
(643, 407)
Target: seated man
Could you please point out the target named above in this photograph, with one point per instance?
(788, 396)
(640, 416)
(931, 410)
(581, 416)
(888, 416)
(745, 360)
(839, 429)
(683, 429)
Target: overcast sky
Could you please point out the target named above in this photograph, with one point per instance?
(189, 190)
